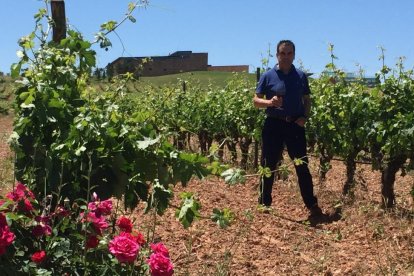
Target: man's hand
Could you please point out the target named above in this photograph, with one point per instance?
(301, 121)
(276, 101)
(260, 102)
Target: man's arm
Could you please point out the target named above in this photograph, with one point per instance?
(307, 102)
(260, 102)
(307, 106)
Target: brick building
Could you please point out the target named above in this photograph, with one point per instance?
(177, 62)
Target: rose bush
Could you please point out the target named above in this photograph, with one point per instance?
(34, 239)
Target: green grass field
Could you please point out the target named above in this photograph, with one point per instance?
(6, 93)
(204, 77)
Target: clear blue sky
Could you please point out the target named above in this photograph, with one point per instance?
(236, 31)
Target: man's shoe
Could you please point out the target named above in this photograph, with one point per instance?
(315, 211)
(264, 209)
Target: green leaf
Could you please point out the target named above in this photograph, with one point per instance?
(79, 151)
(189, 210)
(38, 16)
(147, 142)
(298, 161)
(222, 218)
(131, 6)
(15, 69)
(108, 26)
(264, 171)
(55, 103)
(217, 168)
(132, 19)
(234, 176)
(160, 198)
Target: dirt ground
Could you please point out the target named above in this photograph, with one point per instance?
(6, 166)
(361, 240)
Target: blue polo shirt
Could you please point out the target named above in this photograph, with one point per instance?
(294, 84)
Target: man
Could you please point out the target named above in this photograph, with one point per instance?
(284, 92)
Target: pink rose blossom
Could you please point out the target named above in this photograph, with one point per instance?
(38, 257)
(136, 236)
(160, 265)
(160, 248)
(101, 207)
(98, 222)
(61, 212)
(124, 224)
(124, 248)
(41, 230)
(43, 219)
(25, 206)
(92, 242)
(105, 207)
(3, 221)
(6, 237)
(139, 238)
(93, 206)
(20, 192)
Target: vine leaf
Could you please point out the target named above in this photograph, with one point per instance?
(234, 176)
(222, 218)
(160, 198)
(189, 209)
(147, 142)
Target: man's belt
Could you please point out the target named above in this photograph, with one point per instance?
(288, 119)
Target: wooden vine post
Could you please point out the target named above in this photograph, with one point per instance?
(59, 19)
(256, 142)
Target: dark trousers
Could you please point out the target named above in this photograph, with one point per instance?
(275, 134)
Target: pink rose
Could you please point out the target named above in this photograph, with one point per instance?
(124, 224)
(6, 238)
(101, 207)
(21, 195)
(25, 206)
(105, 207)
(61, 212)
(39, 257)
(98, 222)
(139, 238)
(20, 192)
(124, 248)
(41, 230)
(92, 206)
(3, 221)
(44, 219)
(92, 242)
(160, 248)
(160, 265)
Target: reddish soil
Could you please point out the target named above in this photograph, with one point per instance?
(6, 122)
(362, 240)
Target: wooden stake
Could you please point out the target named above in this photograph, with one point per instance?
(59, 19)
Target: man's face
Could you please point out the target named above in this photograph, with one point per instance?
(285, 55)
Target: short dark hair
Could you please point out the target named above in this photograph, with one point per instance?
(285, 41)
